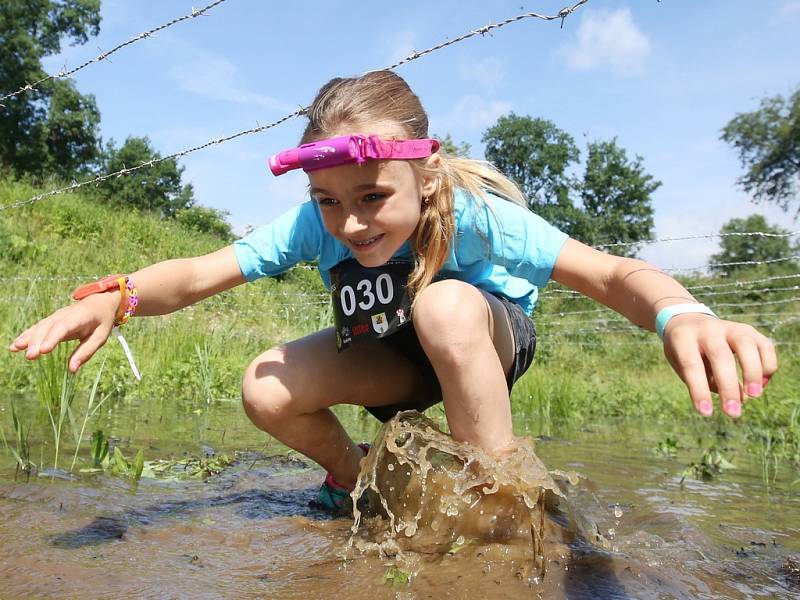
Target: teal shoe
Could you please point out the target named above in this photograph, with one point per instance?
(334, 496)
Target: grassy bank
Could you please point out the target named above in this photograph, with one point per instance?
(589, 364)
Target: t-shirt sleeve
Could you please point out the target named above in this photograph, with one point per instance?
(517, 239)
(271, 249)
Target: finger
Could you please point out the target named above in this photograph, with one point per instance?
(712, 383)
(86, 349)
(750, 361)
(21, 342)
(57, 332)
(723, 365)
(37, 334)
(692, 370)
(769, 358)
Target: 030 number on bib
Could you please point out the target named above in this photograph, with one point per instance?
(369, 302)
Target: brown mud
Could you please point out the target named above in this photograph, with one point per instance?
(625, 528)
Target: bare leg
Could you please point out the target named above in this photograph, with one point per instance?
(287, 392)
(467, 337)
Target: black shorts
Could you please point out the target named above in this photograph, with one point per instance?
(407, 344)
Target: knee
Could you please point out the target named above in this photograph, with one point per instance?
(448, 317)
(265, 399)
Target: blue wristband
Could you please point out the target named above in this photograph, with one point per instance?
(666, 313)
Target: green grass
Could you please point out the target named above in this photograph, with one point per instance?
(584, 369)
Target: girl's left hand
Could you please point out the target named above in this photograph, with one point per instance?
(704, 350)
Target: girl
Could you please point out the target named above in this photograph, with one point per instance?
(434, 265)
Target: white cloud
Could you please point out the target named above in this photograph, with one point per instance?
(218, 79)
(608, 40)
(473, 113)
(488, 73)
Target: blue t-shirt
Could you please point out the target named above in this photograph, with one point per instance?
(499, 247)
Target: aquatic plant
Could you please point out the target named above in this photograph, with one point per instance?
(130, 469)
(667, 447)
(21, 450)
(91, 410)
(56, 388)
(711, 464)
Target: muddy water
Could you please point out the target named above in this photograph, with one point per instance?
(250, 533)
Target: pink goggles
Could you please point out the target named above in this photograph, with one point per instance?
(346, 149)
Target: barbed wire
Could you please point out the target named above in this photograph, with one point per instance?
(544, 328)
(654, 342)
(562, 14)
(740, 263)
(739, 283)
(103, 56)
(704, 236)
(699, 296)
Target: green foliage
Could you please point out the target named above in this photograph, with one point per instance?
(132, 469)
(536, 155)
(156, 188)
(616, 194)
(450, 147)
(21, 451)
(768, 143)
(748, 248)
(396, 576)
(711, 464)
(71, 131)
(52, 126)
(203, 219)
(99, 449)
(187, 468)
(667, 447)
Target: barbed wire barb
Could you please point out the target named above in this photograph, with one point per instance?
(104, 55)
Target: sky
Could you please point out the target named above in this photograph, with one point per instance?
(663, 78)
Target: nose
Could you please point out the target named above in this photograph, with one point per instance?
(353, 223)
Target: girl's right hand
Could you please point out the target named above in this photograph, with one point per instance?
(89, 321)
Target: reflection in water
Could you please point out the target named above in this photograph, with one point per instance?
(626, 529)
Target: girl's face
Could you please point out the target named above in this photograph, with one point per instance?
(372, 208)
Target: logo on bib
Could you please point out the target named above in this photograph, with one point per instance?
(379, 323)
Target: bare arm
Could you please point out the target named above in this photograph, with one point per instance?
(163, 288)
(701, 349)
(173, 284)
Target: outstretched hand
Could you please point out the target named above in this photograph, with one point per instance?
(704, 352)
(89, 321)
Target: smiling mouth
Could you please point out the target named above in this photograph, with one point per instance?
(367, 243)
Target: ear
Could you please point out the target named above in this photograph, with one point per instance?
(431, 175)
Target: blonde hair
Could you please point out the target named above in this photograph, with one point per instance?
(383, 96)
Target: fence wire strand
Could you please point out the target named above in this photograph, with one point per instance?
(103, 56)
(562, 14)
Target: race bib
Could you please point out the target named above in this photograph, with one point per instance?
(369, 302)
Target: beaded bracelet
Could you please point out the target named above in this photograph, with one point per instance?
(129, 299)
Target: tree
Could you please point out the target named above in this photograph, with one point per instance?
(768, 142)
(42, 127)
(206, 220)
(616, 198)
(749, 248)
(71, 131)
(450, 147)
(157, 188)
(536, 155)
(615, 192)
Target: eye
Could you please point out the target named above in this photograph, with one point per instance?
(327, 201)
(374, 197)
